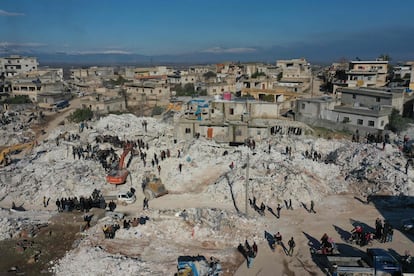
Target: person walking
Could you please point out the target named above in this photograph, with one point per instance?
(145, 203)
(312, 207)
(291, 244)
(254, 247)
(278, 210)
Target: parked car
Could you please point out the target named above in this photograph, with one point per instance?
(383, 262)
(407, 225)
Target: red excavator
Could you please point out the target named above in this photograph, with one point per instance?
(119, 176)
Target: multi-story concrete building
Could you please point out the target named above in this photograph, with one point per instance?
(82, 73)
(32, 88)
(146, 92)
(233, 121)
(371, 98)
(103, 105)
(139, 72)
(367, 73)
(366, 109)
(295, 70)
(15, 65)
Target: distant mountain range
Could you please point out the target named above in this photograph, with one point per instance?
(136, 59)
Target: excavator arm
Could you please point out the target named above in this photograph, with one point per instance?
(13, 148)
(127, 149)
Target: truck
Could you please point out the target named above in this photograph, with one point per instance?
(123, 198)
(152, 186)
(376, 262)
(350, 266)
(61, 104)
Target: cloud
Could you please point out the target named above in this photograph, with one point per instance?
(6, 13)
(219, 50)
(6, 44)
(101, 52)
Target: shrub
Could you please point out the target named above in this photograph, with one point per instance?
(81, 115)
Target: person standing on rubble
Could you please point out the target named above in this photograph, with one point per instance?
(278, 210)
(255, 249)
(291, 244)
(145, 203)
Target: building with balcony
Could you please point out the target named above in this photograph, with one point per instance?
(15, 65)
(367, 73)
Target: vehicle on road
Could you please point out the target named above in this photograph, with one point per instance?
(383, 262)
(122, 197)
(61, 104)
(407, 225)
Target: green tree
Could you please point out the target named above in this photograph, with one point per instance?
(209, 74)
(257, 74)
(80, 115)
(269, 98)
(186, 90)
(279, 76)
(385, 57)
(397, 123)
(19, 99)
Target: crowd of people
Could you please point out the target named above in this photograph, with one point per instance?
(109, 230)
(135, 222)
(248, 251)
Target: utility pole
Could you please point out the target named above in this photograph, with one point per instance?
(247, 185)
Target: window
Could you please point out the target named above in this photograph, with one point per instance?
(382, 123)
(353, 96)
(231, 111)
(159, 91)
(188, 130)
(258, 132)
(303, 106)
(371, 123)
(360, 122)
(238, 132)
(378, 99)
(212, 111)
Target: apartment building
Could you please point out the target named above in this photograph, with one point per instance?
(367, 73)
(295, 70)
(82, 73)
(32, 88)
(144, 91)
(15, 65)
(361, 108)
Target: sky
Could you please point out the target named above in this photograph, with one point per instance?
(262, 30)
